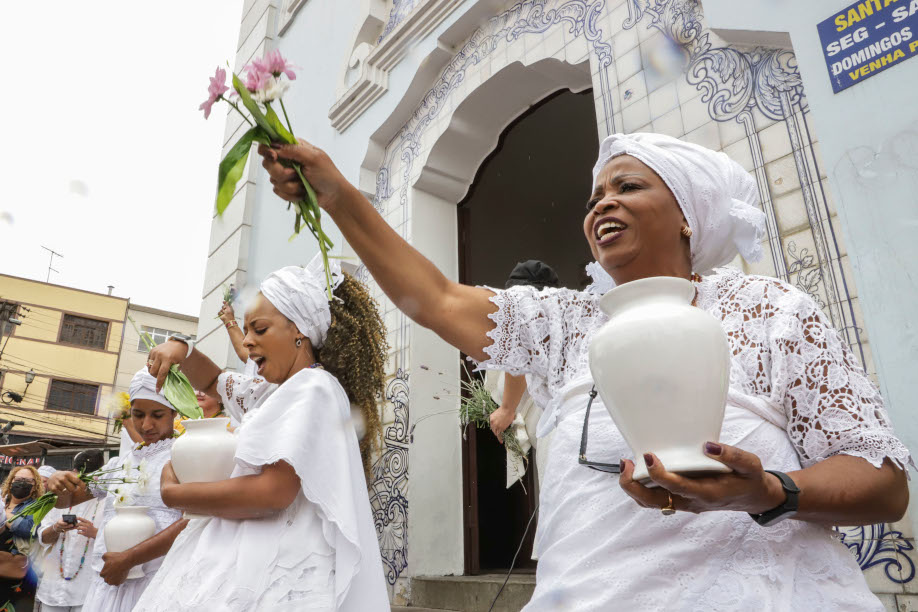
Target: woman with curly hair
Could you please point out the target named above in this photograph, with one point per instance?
(291, 528)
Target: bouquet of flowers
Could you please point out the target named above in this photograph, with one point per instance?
(264, 84)
(39, 508)
(229, 296)
(177, 388)
(475, 408)
(120, 408)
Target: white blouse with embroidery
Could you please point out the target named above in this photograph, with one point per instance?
(797, 397)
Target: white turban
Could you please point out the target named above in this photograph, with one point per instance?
(143, 386)
(46, 471)
(718, 198)
(300, 294)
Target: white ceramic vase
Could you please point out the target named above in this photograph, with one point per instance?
(130, 526)
(204, 453)
(662, 368)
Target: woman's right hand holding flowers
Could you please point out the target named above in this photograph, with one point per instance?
(327, 181)
(64, 483)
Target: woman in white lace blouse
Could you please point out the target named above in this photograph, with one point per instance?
(799, 403)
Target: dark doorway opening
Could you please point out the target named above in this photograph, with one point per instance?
(527, 202)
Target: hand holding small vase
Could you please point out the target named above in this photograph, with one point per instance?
(747, 488)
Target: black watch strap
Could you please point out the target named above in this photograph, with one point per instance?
(785, 510)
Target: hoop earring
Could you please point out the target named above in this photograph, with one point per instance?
(299, 342)
(686, 231)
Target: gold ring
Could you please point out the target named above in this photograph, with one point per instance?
(669, 508)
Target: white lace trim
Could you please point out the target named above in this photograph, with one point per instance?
(784, 351)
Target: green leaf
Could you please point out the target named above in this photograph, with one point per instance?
(180, 393)
(253, 108)
(275, 122)
(232, 166)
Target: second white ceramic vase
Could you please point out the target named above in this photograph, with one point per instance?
(130, 526)
(204, 453)
(662, 369)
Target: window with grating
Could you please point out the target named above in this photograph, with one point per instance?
(84, 332)
(72, 397)
(156, 334)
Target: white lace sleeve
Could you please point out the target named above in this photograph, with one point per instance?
(241, 394)
(832, 406)
(544, 334)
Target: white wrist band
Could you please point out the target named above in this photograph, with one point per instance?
(186, 340)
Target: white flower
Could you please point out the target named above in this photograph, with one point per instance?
(273, 89)
(123, 498)
(142, 477)
(127, 466)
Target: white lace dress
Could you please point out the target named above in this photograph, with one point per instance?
(321, 552)
(103, 597)
(797, 396)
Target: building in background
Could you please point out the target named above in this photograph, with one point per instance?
(59, 354)
(472, 126)
(160, 324)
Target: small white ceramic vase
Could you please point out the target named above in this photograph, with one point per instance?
(130, 526)
(204, 453)
(662, 369)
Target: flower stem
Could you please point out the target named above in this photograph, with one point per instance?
(231, 103)
(286, 118)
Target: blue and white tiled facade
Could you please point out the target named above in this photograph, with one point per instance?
(653, 66)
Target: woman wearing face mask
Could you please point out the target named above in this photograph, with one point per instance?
(291, 528)
(800, 405)
(152, 416)
(21, 487)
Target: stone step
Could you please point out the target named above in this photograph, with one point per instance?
(472, 593)
(413, 609)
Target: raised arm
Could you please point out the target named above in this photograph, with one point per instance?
(457, 313)
(228, 316)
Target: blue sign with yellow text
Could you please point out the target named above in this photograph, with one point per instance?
(868, 37)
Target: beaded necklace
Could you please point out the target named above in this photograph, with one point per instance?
(60, 563)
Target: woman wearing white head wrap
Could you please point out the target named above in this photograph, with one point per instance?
(306, 539)
(799, 402)
(152, 416)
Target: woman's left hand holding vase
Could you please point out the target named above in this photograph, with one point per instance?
(748, 488)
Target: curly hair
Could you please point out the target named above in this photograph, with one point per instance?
(38, 489)
(355, 352)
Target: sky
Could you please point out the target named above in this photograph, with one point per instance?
(106, 157)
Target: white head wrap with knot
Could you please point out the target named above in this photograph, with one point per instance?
(143, 386)
(300, 295)
(718, 198)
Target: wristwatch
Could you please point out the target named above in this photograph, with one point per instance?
(188, 340)
(785, 510)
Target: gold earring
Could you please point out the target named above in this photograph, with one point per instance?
(686, 231)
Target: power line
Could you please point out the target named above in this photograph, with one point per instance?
(25, 363)
(64, 426)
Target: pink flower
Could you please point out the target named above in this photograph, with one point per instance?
(275, 64)
(256, 77)
(215, 91)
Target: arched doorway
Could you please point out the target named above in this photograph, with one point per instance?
(527, 202)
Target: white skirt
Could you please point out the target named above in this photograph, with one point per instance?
(599, 550)
(104, 597)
